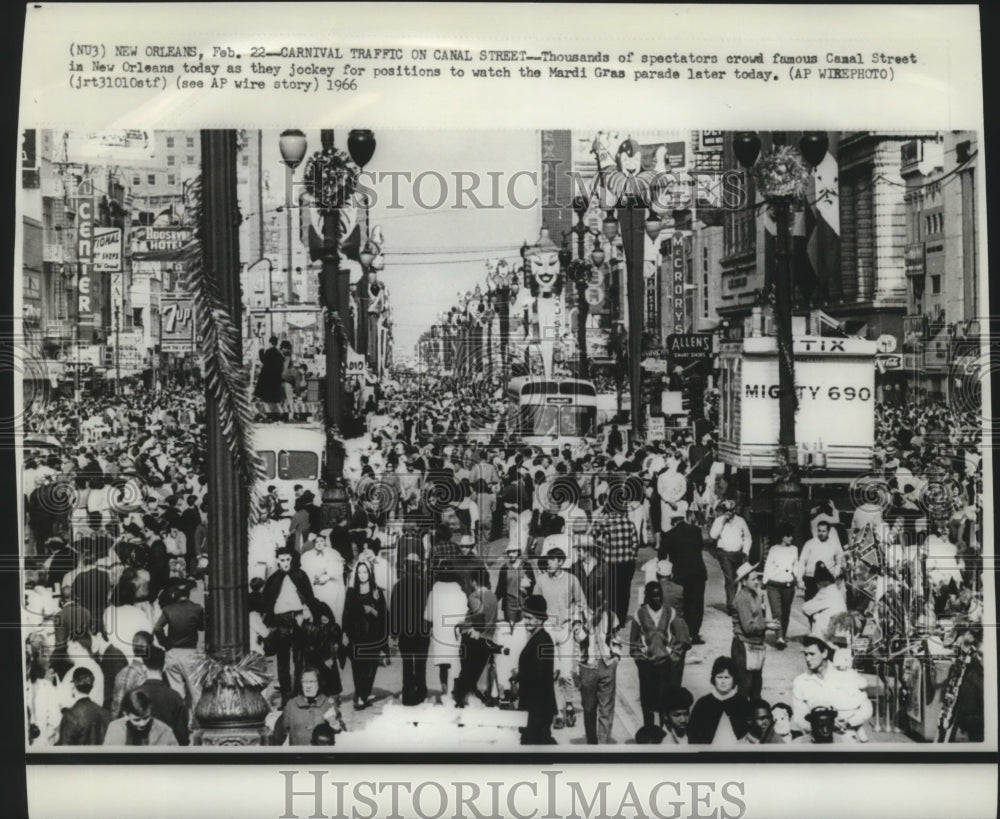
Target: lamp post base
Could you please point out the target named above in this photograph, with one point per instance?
(333, 511)
(789, 506)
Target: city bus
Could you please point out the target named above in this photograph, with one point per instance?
(545, 411)
(293, 454)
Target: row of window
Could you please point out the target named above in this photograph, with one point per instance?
(172, 178)
(933, 223)
(151, 180)
(170, 142)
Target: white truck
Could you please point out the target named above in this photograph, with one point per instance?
(293, 454)
(835, 420)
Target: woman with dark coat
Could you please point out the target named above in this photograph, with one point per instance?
(365, 628)
(719, 718)
(318, 642)
(269, 382)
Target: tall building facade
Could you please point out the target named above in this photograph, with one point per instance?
(941, 260)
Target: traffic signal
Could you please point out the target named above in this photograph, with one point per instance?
(693, 400)
(652, 387)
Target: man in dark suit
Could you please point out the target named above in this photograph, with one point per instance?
(188, 524)
(683, 545)
(408, 627)
(85, 723)
(535, 675)
(287, 593)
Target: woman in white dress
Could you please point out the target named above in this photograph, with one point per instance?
(446, 608)
(325, 568)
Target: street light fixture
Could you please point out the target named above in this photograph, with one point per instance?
(292, 144)
(366, 256)
(361, 146)
(609, 227)
(654, 225)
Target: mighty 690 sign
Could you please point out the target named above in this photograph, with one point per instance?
(835, 388)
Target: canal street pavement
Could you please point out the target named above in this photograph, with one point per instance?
(780, 667)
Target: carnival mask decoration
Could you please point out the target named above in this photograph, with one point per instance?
(375, 242)
(546, 277)
(621, 172)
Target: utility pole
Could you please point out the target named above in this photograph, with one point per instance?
(118, 349)
(335, 293)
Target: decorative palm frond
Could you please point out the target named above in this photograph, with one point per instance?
(225, 374)
(250, 671)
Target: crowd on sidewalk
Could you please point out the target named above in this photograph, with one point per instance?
(113, 629)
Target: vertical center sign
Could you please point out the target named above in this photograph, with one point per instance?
(85, 257)
(677, 317)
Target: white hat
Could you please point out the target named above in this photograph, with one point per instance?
(744, 570)
(664, 568)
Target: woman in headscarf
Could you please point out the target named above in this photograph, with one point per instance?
(319, 643)
(326, 570)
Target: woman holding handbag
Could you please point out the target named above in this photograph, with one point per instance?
(749, 628)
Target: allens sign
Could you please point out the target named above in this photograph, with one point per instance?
(689, 346)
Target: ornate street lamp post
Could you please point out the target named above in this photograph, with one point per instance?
(781, 177)
(331, 179)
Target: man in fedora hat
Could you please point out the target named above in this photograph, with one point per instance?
(749, 627)
(536, 675)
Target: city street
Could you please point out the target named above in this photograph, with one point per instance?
(245, 395)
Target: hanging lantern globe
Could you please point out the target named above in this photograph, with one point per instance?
(654, 224)
(746, 146)
(813, 147)
(292, 144)
(361, 146)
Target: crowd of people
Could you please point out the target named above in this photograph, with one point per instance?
(117, 564)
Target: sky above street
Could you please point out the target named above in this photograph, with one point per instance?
(432, 252)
